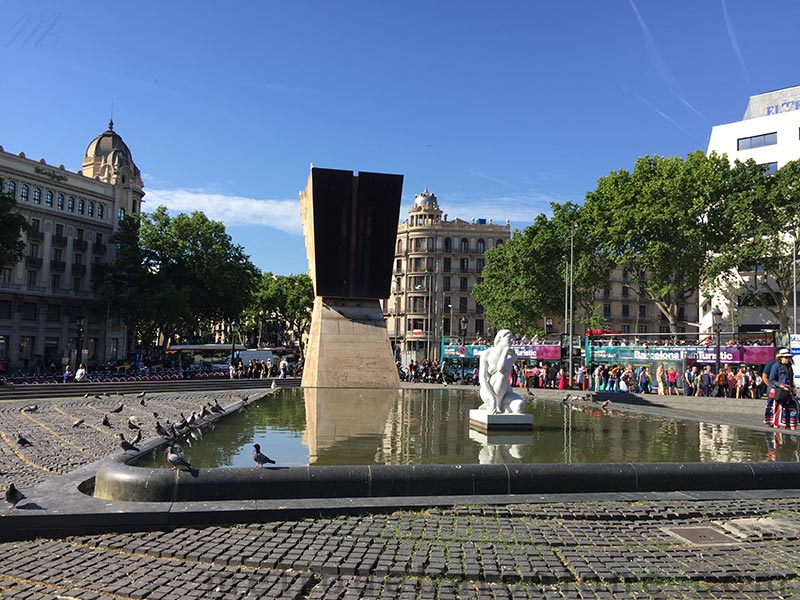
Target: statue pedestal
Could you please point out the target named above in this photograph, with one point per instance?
(483, 421)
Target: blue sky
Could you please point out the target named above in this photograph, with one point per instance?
(497, 107)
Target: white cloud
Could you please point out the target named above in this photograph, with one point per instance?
(521, 210)
(283, 215)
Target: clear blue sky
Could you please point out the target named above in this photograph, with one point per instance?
(498, 107)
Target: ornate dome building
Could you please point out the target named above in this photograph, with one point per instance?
(49, 315)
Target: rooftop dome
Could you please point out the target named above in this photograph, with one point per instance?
(109, 147)
(426, 200)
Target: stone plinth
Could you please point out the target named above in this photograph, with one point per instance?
(482, 420)
(349, 346)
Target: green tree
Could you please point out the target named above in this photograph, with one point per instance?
(282, 304)
(663, 222)
(12, 226)
(754, 261)
(181, 274)
(524, 281)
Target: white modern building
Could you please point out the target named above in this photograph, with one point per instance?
(769, 133)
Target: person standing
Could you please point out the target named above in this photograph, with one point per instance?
(781, 390)
(661, 379)
(67, 374)
(707, 381)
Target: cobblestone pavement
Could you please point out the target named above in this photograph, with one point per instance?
(748, 547)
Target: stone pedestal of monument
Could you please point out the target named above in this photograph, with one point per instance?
(481, 420)
(348, 346)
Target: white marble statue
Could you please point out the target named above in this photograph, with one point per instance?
(495, 365)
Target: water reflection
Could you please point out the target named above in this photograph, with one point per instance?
(417, 426)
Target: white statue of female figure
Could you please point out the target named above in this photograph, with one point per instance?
(495, 365)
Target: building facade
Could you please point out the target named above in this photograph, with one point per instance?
(49, 315)
(768, 133)
(436, 265)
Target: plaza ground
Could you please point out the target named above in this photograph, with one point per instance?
(723, 544)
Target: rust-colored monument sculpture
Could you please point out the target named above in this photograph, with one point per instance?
(350, 226)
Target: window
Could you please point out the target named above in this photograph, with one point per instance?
(642, 312)
(625, 328)
(5, 309)
(480, 264)
(26, 343)
(55, 281)
(481, 246)
(548, 325)
(626, 311)
(101, 210)
(37, 195)
(446, 267)
(448, 245)
(11, 188)
(625, 291)
(90, 210)
(462, 305)
(757, 141)
(48, 199)
(625, 275)
(79, 233)
(606, 310)
(607, 292)
(478, 326)
(772, 167)
(71, 204)
(29, 311)
(78, 258)
(60, 202)
(60, 229)
(33, 251)
(33, 277)
(399, 242)
(463, 284)
(446, 284)
(429, 265)
(23, 192)
(121, 214)
(642, 329)
(464, 265)
(498, 244)
(98, 238)
(431, 244)
(76, 283)
(36, 225)
(464, 245)
(7, 274)
(81, 205)
(53, 313)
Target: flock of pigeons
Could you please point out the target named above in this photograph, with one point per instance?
(186, 428)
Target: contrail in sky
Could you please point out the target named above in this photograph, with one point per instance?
(734, 43)
(664, 115)
(660, 63)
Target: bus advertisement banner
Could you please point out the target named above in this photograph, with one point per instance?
(750, 355)
(549, 352)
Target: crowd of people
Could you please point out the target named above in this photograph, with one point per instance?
(260, 369)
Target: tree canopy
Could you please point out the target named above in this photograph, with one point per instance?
(12, 226)
(174, 276)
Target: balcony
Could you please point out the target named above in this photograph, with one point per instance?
(33, 261)
(58, 266)
(59, 240)
(78, 269)
(80, 244)
(98, 248)
(35, 235)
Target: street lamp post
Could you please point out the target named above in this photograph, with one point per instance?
(716, 321)
(571, 312)
(233, 339)
(463, 323)
(79, 342)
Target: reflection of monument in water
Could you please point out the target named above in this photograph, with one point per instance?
(406, 426)
(350, 223)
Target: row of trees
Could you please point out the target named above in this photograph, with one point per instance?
(677, 225)
(175, 277)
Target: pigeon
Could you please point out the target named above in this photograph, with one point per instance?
(204, 412)
(98, 397)
(141, 402)
(118, 409)
(155, 415)
(274, 385)
(217, 407)
(13, 496)
(138, 437)
(86, 395)
(133, 423)
(176, 460)
(125, 444)
(260, 458)
(105, 421)
(22, 441)
(31, 408)
(141, 394)
(78, 423)
(604, 404)
(160, 430)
